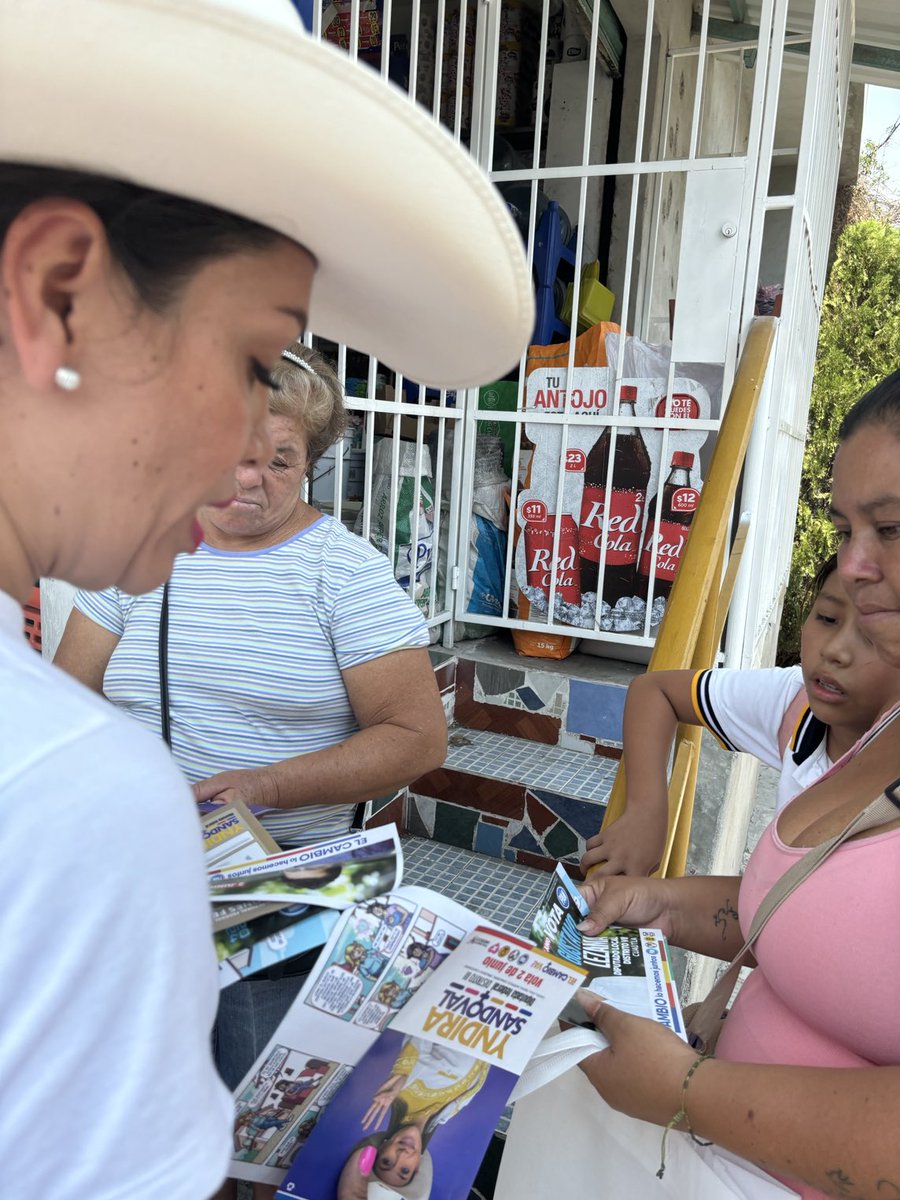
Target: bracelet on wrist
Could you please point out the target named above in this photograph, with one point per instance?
(682, 1115)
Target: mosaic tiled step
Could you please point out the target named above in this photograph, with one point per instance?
(537, 700)
(504, 796)
(549, 768)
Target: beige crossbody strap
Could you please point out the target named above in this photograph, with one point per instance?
(881, 810)
(707, 1015)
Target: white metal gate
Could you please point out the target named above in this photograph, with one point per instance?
(396, 477)
(673, 210)
(656, 146)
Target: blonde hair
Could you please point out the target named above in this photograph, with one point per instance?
(311, 395)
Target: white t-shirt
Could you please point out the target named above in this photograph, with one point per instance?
(108, 980)
(257, 641)
(745, 710)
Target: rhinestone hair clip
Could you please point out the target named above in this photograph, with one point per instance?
(295, 358)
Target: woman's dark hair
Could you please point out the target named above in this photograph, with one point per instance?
(329, 874)
(396, 1121)
(158, 240)
(880, 406)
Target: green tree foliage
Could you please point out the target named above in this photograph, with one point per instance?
(859, 343)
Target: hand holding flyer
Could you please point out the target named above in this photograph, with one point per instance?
(389, 1072)
(630, 968)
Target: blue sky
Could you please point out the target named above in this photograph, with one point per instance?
(882, 110)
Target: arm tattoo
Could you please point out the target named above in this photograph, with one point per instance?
(840, 1184)
(725, 914)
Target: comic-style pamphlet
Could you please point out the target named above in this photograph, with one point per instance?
(468, 1004)
(631, 968)
(423, 1102)
(378, 956)
(391, 1068)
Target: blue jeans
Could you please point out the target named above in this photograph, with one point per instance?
(249, 1013)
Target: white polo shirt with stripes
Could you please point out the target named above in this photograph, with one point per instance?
(257, 641)
(745, 710)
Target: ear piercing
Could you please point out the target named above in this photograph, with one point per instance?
(67, 379)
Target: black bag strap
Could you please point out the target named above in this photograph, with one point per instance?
(164, 722)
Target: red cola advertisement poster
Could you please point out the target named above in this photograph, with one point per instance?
(624, 499)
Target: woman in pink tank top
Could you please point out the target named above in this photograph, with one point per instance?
(805, 1082)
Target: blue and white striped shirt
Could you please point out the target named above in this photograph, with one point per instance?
(257, 642)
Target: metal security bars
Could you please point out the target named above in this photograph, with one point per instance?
(666, 184)
(650, 174)
(395, 480)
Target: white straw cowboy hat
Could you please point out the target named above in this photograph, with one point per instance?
(231, 103)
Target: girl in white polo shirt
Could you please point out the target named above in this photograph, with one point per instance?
(797, 719)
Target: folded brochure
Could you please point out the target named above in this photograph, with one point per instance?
(630, 968)
(417, 1112)
(409, 979)
(353, 867)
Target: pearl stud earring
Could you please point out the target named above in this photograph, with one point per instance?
(67, 379)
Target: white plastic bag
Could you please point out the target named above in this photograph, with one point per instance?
(565, 1142)
(409, 562)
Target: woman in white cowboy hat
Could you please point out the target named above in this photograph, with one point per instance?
(159, 246)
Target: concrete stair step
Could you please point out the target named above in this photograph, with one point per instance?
(504, 796)
(538, 767)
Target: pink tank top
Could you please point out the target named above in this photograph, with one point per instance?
(825, 991)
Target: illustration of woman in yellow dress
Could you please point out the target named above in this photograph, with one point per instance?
(428, 1085)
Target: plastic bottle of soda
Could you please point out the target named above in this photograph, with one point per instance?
(679, 502)
(631, 473)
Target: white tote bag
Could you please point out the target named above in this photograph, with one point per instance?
(564, 1141)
